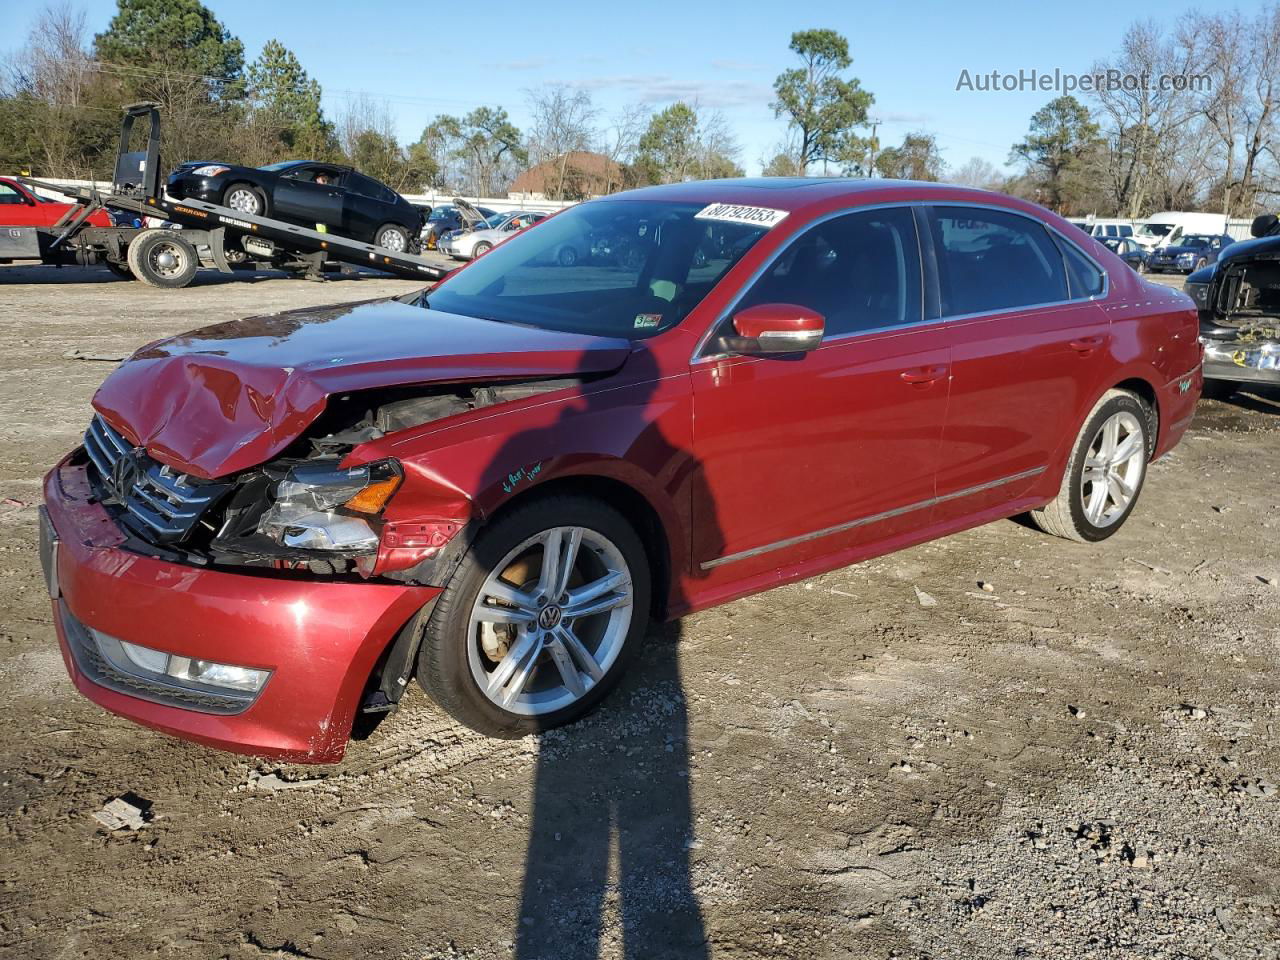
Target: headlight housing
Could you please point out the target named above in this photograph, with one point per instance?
(323, 507)
(210, 170)
(1199, 292)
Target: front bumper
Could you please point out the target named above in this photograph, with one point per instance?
(189, 187)
(320, 640)
(1254, 361)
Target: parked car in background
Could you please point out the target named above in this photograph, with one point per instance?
(447, 217)
(1162, 229)
(468, 244)
(1190, 252)
(1128, 250)
(1103, 229)
(347, 202)
(1238, 298)
(496, 483)
(21, 206)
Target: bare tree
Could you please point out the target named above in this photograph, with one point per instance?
(620, 141)
(976, 172)
(563, 124)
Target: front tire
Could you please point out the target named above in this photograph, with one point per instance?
(539, 620)
(480, 249)
(1105, 473)
(245, 198)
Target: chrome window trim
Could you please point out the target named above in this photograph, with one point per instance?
(697, 357)
(873, 518)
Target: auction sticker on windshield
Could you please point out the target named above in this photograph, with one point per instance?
(737, 213)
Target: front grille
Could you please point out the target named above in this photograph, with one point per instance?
(159, 503)
(98, 666)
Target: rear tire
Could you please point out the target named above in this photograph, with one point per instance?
(163, 258)
(393, 237)
(506, 678)
(1105, 473)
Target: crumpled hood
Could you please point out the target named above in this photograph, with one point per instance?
(231, 396)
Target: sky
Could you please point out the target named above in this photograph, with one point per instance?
(427, 59)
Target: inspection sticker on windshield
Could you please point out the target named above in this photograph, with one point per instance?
(645, 321)
(736, 213)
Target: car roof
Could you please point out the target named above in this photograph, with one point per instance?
(795, 194)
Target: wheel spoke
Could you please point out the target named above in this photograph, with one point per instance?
(564, 663)
(614, 580)
(1120, 491)
(497, 589)
(584, 659)
(550, 575)
(1110, 437)
(588, 608)
(567, 562)
(491, 613)
(512, 674)
(1131, 445)
(1097, 502)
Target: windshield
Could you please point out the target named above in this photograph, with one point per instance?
(1154, 229)
(441, 213)
(282, 165)
(1191, 242)
(497, 220)
(618, 268)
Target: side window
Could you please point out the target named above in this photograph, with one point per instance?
(1111, 230)
(990, 260)
(861, 271)
(1126, 230)
(358, 183)
(1084, 277)
(9, 195)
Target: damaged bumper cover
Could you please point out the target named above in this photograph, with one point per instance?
(318, 640)
(1250, 358)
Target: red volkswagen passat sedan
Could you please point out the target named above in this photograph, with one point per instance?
(275, 523)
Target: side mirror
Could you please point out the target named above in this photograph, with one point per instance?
(1264, 225)
(776, 328)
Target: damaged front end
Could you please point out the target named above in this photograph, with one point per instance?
(304, 511)
(1240, 319)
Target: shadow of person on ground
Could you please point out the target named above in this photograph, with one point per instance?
(611, 825)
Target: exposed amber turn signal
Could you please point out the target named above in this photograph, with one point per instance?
(373, 497)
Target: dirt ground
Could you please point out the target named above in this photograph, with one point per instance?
(885, 761)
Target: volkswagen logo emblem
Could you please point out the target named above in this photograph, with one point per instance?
(549, 617)
(124, 474)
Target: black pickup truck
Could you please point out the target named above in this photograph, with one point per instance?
(1239, 302)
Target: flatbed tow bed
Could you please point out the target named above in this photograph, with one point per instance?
(166, 257)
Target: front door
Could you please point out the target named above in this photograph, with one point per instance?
(803, 456)
(300, 199)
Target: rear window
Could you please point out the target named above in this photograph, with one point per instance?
(619, 268)
(990, 260)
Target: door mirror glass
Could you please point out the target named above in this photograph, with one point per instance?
(776, 328)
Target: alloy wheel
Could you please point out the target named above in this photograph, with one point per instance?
(243, 199)
(550, 619)
(1113, 469)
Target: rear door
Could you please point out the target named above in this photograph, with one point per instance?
(1029, 347)
(368, 205)
(801, 456)
(297, 197)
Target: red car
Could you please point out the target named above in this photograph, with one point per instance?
(274, 523)
(20, 207)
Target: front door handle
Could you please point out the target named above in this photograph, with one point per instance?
(922, 376)
(1087, 345)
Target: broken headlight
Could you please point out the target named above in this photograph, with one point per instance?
(322, 507)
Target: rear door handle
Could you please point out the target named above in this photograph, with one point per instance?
(1087, 344)
(923, 375)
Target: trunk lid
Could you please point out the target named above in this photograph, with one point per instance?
(231, 396)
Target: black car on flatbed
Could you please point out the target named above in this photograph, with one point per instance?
(310, 194)
(1239, 302)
